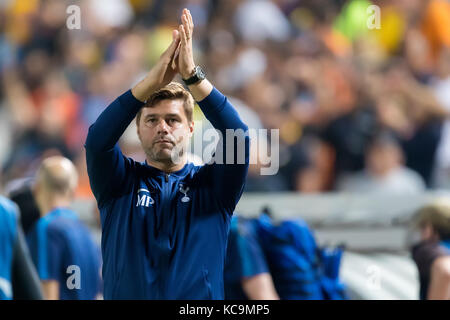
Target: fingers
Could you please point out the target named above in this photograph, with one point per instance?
(191, 22)
(175, 57)
(170, 51)
(185, 22)
(177, 52)
(186, 61)
(183, 35)
(175, 34)
(186, 19)
(176, 43)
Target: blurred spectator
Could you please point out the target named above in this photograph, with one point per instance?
(259, 20)
(21, 192)
(18, 277)
(435, 24)
(441, 89)
(384, 171)
(256, 181)
(313, 162)
(432, 253)
(349, 135)
(66, 257)
(309, 67)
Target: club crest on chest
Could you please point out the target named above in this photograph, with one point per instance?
(184, 190)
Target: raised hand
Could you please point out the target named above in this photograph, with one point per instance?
(162, 72)
(185, 59)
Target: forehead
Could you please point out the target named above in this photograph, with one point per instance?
(164, 107)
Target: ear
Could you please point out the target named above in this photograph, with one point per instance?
(191, 129)
(138, 131)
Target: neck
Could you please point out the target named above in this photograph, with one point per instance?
(52, 204)
(169, 166)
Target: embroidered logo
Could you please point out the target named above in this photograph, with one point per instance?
(184, 190)
(143, 199)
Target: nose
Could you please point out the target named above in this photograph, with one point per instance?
(163, 127)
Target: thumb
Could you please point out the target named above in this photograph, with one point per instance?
(175, 34)
(170, 51)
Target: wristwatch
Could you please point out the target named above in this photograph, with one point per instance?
(199, 75)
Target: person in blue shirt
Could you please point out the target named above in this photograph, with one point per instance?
(18, 277)
(246, 275)
(165, 221)
(65, 255)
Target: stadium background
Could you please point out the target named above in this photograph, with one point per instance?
(310, 68)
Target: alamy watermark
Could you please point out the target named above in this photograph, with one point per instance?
(74, 280)
(73, 21)
(373, 281)
(234, 146)
(374, 19)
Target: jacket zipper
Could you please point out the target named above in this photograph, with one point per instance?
(164, 258)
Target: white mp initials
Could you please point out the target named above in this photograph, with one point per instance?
(144, 200)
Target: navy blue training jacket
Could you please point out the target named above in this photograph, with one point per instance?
(164, 235)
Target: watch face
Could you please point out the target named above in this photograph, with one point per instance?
(200, 73)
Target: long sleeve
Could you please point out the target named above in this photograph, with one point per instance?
(227, 177)
(106, 165)
(25, 280)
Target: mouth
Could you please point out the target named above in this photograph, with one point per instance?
(164, 142)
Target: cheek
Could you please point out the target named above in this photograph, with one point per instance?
(425, 233)
(145, 135)
(180, 134)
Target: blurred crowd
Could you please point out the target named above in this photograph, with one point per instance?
(359, 109)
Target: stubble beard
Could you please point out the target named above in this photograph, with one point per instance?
(168, 157)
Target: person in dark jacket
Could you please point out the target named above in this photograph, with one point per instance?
(165, 221)
(432, 253)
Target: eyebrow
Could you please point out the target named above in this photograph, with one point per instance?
(158, 115)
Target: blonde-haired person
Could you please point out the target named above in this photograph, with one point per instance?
(63, 250)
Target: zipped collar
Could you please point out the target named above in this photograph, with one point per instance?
(180, 173)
